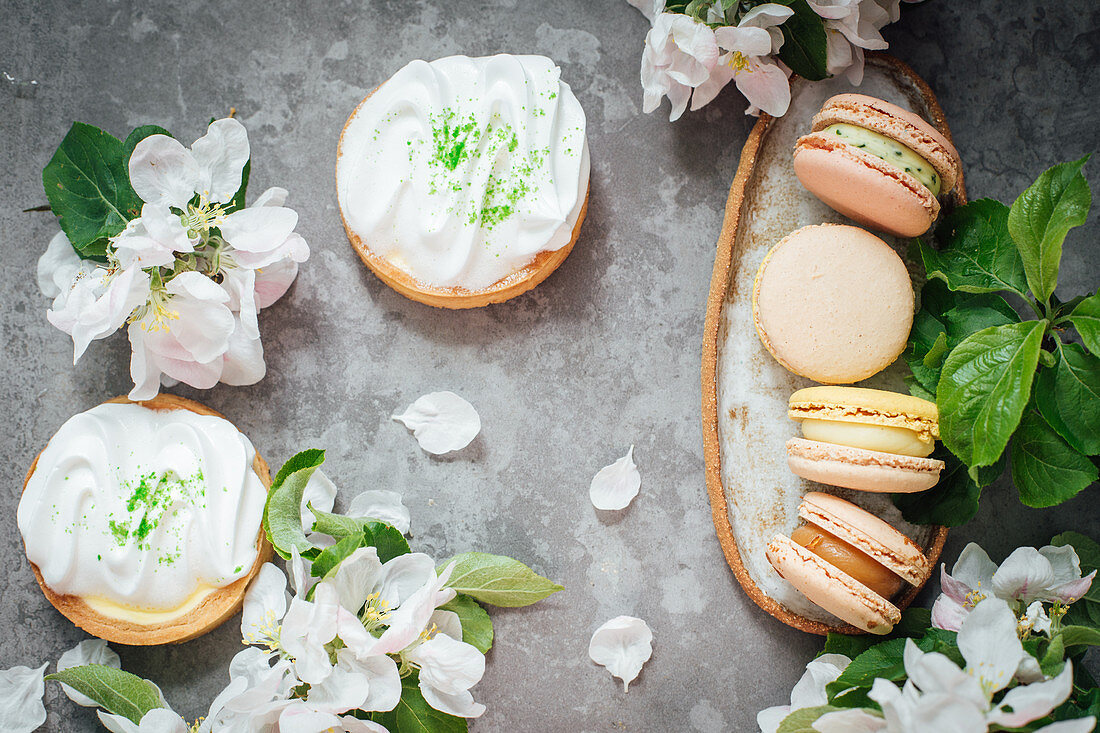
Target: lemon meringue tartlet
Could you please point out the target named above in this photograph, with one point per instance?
(142, 521)
(464, 181)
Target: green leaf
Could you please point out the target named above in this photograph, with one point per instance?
(387, 540)
(950, 317)
(498, 580)
(1085, 317)
(883, 660)
(88, 186)
(1068, 397)
(237, 202)
(952, 502)
(976, 253)
(477, 627)
(801, 721)
(1080, 635)
(330, 558)
(1042, 216)
(413, 714)
(1045, 468)
(984, 387)
(937, 352)
(380, 535)
(1053, 658)
(283, 511)
(117, 692)
(805, 44)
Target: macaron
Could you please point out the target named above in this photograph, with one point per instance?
(848, 561)
(833, 303)
(877, 163)
(865, 439)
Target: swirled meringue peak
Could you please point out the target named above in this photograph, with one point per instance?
(142, 511)
(460, 171)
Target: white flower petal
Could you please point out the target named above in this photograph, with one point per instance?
(243, 361)
(765, 85)
(615, 486)
(623, 645)
(809, 691)
(769, 719)
(441, 422)
(320, 493)
(343, 690)
(21, 706)
(264, 603)
(1025, 703)
(57, 266)
(89, 651)
(385, 681)
(449, 666)
(461, 703)
(274, 196)
(162, 171)
(221, 154)
(403, 576)
(259, 228)
(447, 622)
(116, 723)
(1023, 575)
(272, 281)
(849, 721)
(989, 644)
(162, 720)
(384, 505)
(947, 613)
(356, 577)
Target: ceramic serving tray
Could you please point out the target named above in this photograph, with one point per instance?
(753, 493)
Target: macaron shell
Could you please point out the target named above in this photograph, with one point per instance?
(863, 187)
(900, 124)
(813, 319)
(863, 470)
(831, 588)
(867, 406)
(868, 533)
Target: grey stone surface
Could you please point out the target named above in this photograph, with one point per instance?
(605, 353)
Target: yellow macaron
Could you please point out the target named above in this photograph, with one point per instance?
(865, 439)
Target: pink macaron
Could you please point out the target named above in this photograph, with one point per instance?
(877, 163)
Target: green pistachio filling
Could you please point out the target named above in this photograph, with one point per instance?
(889, 150)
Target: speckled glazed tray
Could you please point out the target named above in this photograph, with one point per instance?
(753, 493)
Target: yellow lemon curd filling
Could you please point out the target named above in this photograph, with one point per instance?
(849, 559)
(117, 611)
(889, 150)
(882, 438)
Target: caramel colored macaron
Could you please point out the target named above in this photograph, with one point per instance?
(848, 561)
(877, 163)
(833, 303)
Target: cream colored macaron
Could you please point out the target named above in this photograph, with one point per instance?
(865, 439)
(848, 561)
(833, 303)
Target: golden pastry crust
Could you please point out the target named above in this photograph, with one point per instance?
(210, 613)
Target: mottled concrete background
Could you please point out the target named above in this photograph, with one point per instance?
(603, 354)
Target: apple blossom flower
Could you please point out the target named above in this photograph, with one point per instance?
(748, 62)
(190, 274)
(1051, 574)
(940, 695)
(679, 54)
(448, 667)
